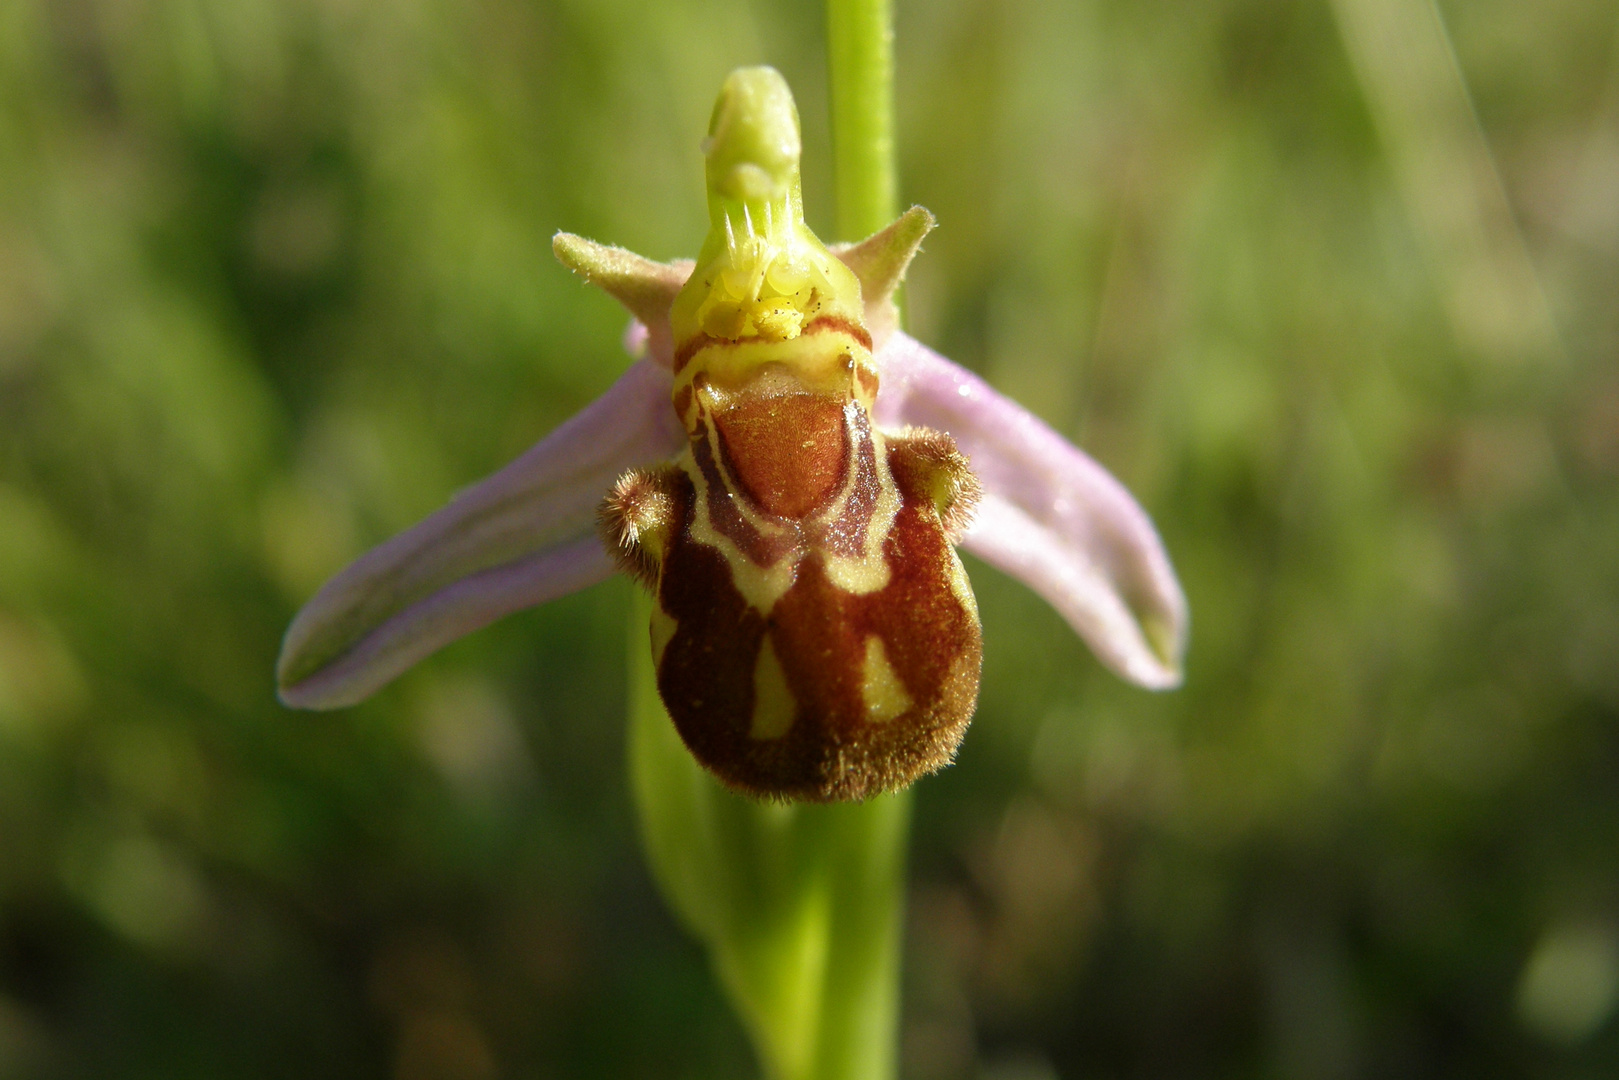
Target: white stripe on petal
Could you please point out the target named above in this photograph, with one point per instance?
(1051, 516)
(521, 537)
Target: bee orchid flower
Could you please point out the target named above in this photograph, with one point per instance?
(787, 471)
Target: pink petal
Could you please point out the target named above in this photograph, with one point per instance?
(521, 537)
(1051, 516)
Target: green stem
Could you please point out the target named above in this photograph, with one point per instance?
(860, 1032)
(860, 52)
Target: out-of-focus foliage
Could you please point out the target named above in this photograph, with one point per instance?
(275, 280)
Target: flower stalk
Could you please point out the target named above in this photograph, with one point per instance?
(860, 54)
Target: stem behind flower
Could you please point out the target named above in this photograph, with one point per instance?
(860, 52)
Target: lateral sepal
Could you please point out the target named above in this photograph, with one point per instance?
(880, 262)
(646, 288)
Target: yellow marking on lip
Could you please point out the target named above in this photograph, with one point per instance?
(663, 630)
(869, 571)
(824, 360)
(880, 686)
(760, 586)
(773, 704)
(960, 587)
(860, 576)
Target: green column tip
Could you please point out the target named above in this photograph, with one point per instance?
(753, 141)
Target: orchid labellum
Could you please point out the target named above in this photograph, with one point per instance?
(788, 474)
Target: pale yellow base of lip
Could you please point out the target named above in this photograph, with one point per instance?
(824, 361)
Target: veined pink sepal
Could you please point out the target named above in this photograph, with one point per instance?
(519, 538)
(1051, 516)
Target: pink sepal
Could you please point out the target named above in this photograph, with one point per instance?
(1051, 516)
(519, 538)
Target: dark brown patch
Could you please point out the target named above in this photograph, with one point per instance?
(682, 400)
(786, 450)
(846, 534)
(705, 676)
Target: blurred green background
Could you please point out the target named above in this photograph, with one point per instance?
(1333, 285)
